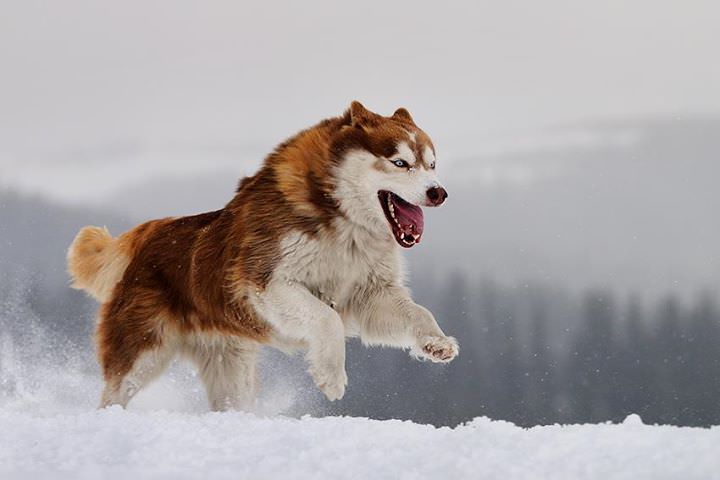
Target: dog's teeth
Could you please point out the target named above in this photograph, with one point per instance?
(406, 242)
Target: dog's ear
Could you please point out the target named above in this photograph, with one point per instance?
(403, 115)
(359, 115)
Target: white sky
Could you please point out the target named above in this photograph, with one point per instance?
(84, 83)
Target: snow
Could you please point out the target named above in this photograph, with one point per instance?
(114, 443)
(49, 428)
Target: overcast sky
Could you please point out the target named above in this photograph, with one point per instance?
(84, 81)
(157, 107)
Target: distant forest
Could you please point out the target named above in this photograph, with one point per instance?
(531, 354)
(538, 356)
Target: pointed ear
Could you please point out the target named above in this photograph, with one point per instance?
(359, 115)
(403, 115)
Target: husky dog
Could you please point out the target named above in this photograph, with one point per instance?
(306, 254)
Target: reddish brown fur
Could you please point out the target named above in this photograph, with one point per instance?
(86, 258)
(194, 274)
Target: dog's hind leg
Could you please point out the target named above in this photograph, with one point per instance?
(134, 348)
(227, 367)
(148, 365)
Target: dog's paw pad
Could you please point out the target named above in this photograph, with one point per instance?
(440, 349)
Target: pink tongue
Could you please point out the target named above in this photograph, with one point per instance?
(410, 218)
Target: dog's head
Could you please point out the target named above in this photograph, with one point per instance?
(386, 172)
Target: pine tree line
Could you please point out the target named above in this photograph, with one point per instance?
(530, 354)
(534, 355)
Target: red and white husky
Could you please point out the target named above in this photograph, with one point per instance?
(306, 254)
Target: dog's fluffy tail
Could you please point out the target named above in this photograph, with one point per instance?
(96, 262)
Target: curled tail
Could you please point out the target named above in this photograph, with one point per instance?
(96, 262)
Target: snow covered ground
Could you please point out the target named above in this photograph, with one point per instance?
(120, 444)
(49, 428)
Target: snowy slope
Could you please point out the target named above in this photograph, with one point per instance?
(50, 429)
(120, 444)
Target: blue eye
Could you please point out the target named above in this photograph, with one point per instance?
(400, 163)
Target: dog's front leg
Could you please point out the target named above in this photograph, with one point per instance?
(297, 314)
(390, 317)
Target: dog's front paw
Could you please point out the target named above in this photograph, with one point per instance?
(439, 349)
(331, 382)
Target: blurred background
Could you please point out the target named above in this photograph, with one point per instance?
(577, 259)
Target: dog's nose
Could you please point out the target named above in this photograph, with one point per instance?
(436, 195)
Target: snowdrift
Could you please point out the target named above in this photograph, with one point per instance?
(49, 428)
(114, 443)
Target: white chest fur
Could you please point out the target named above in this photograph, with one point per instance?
(338, 265)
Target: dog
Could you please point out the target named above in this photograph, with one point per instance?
(307, 253)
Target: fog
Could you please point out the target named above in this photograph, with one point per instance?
(80, 76)
(578, 142)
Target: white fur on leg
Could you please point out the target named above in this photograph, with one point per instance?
(296, 314)
(390, 317)
(227, 366)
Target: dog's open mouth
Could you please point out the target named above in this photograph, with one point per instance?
(405, 219)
